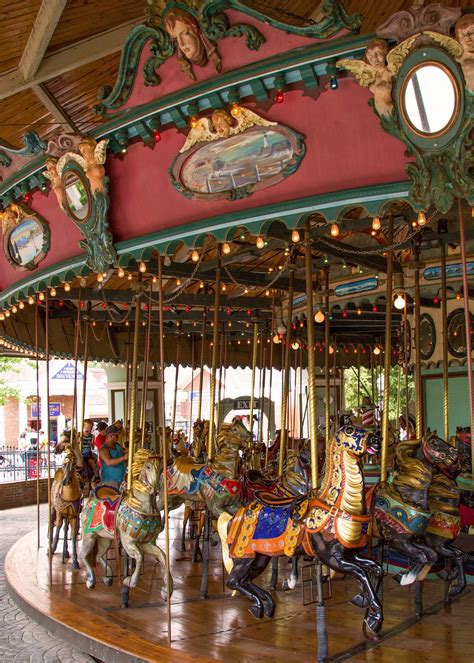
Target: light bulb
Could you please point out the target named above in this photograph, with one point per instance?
(267, 293)
(178, 282)
(52, 292)
(31, 300)
(295, 345)
(201, 284)
(399, 302)
(2, 316)
(421, 218)
(142, 267)
(100, 278)
(67, 287)
(246, 290)
(260, 242)
(295, 236)
(195, 256)
(458, 296)
(331, 350)
(224, 287)
(276, 339)
(154, 280)
(319, 316)
(14, 308)
(121, 272)
(21, 305)
(376, 224)
(226, 248)
(41, 296)
(376, 350)
(334, 229)
(7, 314)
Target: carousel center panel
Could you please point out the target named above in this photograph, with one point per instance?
(221, 627)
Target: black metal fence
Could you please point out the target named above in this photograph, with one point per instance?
(16, 465)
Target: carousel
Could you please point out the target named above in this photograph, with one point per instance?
(281, 192)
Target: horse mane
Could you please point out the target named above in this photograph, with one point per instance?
(140, 457)
(409, 471)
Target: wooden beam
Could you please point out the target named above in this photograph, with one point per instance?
(40, 36)
(49, 102)
(69, 58)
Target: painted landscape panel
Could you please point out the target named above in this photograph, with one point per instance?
(26, 242)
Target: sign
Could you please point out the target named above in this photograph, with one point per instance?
(244, 404)
(54, 410)
(206, 396)
(67, 373)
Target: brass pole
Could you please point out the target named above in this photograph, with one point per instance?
(133, 389)
(164, 447)
(399, 395)
(176, 377)
(300, 396)
(221, 365)
(48, 441)
(215, 343)
(358, 376)
(193, 343)
(295, 386)
(286, 375)
(387, 356)
(270, 409)
(84, 382)
(313, 424)
(467, 316)
(126, 400)
(444, 342)
(201, 368)
(146, 367)
(327, 385)
(38, 451)
(76, 353)
(418, 395)
(262, 390)
(254, 368)
(406, 350)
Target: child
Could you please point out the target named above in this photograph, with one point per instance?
(367, 413)
(87, 448)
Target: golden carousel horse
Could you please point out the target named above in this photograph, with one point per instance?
(66, 499)
(132, 516)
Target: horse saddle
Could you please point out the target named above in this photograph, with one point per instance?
(108, 498)
(279, 497)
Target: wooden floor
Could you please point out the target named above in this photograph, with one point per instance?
(221, 628)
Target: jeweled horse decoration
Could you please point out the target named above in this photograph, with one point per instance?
(132, 516)
(66, 499)
(402, 511)
(331, 524)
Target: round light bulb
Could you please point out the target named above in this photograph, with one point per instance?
(260, 242)
(319, 317)
(376, 223)
(334, 230)
(276, 339)
(399, 302)
(100, 278)
(2, 317)
(331, 350)
(14, 309)
(142, 267)
(67, 287)
(295, 345)
(295, 236)
(201, 284)
(52, 292)
(224, 287)
(226, 248)
(421, 218)
(129, 277)
(121, 272)
(376, 350)
(41, 296)
(195, 256)
(21, 305)
(31, 300)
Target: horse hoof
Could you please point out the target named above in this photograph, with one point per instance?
(269, 609)
(108, 581)
(256, 611)
(360, 601)
(90, 584)
(75, 565)
(371, 627)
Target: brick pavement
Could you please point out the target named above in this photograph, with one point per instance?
(21, 639)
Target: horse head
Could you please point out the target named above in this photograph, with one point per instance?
(146, 470)
(441, 454)
(235, 435)
(357, 441)
(69, 465)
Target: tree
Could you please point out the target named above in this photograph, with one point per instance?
(351, 389)
(9, 365)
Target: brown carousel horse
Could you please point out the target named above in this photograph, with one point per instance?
(331, 524)
(66, 499)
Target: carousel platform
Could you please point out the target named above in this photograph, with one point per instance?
(221, 628)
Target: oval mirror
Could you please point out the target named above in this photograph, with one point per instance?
(430, 99)
(26, 242)
(77, 195)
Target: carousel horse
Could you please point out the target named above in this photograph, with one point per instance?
(132, 517)
(445, 524)
(402, 512)
(66, 499)
(197, 452)
(330, 523)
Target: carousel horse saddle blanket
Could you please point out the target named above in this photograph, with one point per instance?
(269, 530)
(403, 518)
(104, 503)
(188, 479)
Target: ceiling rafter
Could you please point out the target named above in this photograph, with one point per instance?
(44, 26)
(52, 105)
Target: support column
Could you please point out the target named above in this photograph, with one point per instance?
(444, 342)
(387, 356)
(313, 425)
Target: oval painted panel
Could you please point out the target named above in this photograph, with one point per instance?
(251, 158)
(26, 242)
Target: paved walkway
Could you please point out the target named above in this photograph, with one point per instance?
(21, 639)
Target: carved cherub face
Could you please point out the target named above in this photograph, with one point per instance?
(222, 122)
(376, 53)
(87, 150)
(184, 29)
(465, 32)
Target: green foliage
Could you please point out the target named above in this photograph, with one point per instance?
(351, 389)
(9, 365)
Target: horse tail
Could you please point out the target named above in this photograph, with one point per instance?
(222, 526)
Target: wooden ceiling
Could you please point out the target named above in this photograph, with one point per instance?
(79, 40)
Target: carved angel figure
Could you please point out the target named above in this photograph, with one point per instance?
(91, 159)
(461, 50)
(223, 124)
(53, 175)
(378, 70)
(9, 217)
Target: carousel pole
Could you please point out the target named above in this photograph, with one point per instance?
(313, 425)
(38, 452)
(418, 396)
(221, 363)
(48, 434)
(262, 390)
(201, 366)
(327, 385)
(254, 368)
(176, 377)
(358, 376)
(286, 378)
(270, 382)
(76, 353)
(467, 316)
(295, 388)
(164, 446)
(126, 400)
(444, 342)
(300, 396)
(84, 383)
(133, 395)
(215, 343)
(387, 356)
(146, 366)
(193, 343)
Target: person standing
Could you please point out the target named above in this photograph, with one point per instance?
(114, 458)
(100, 438)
